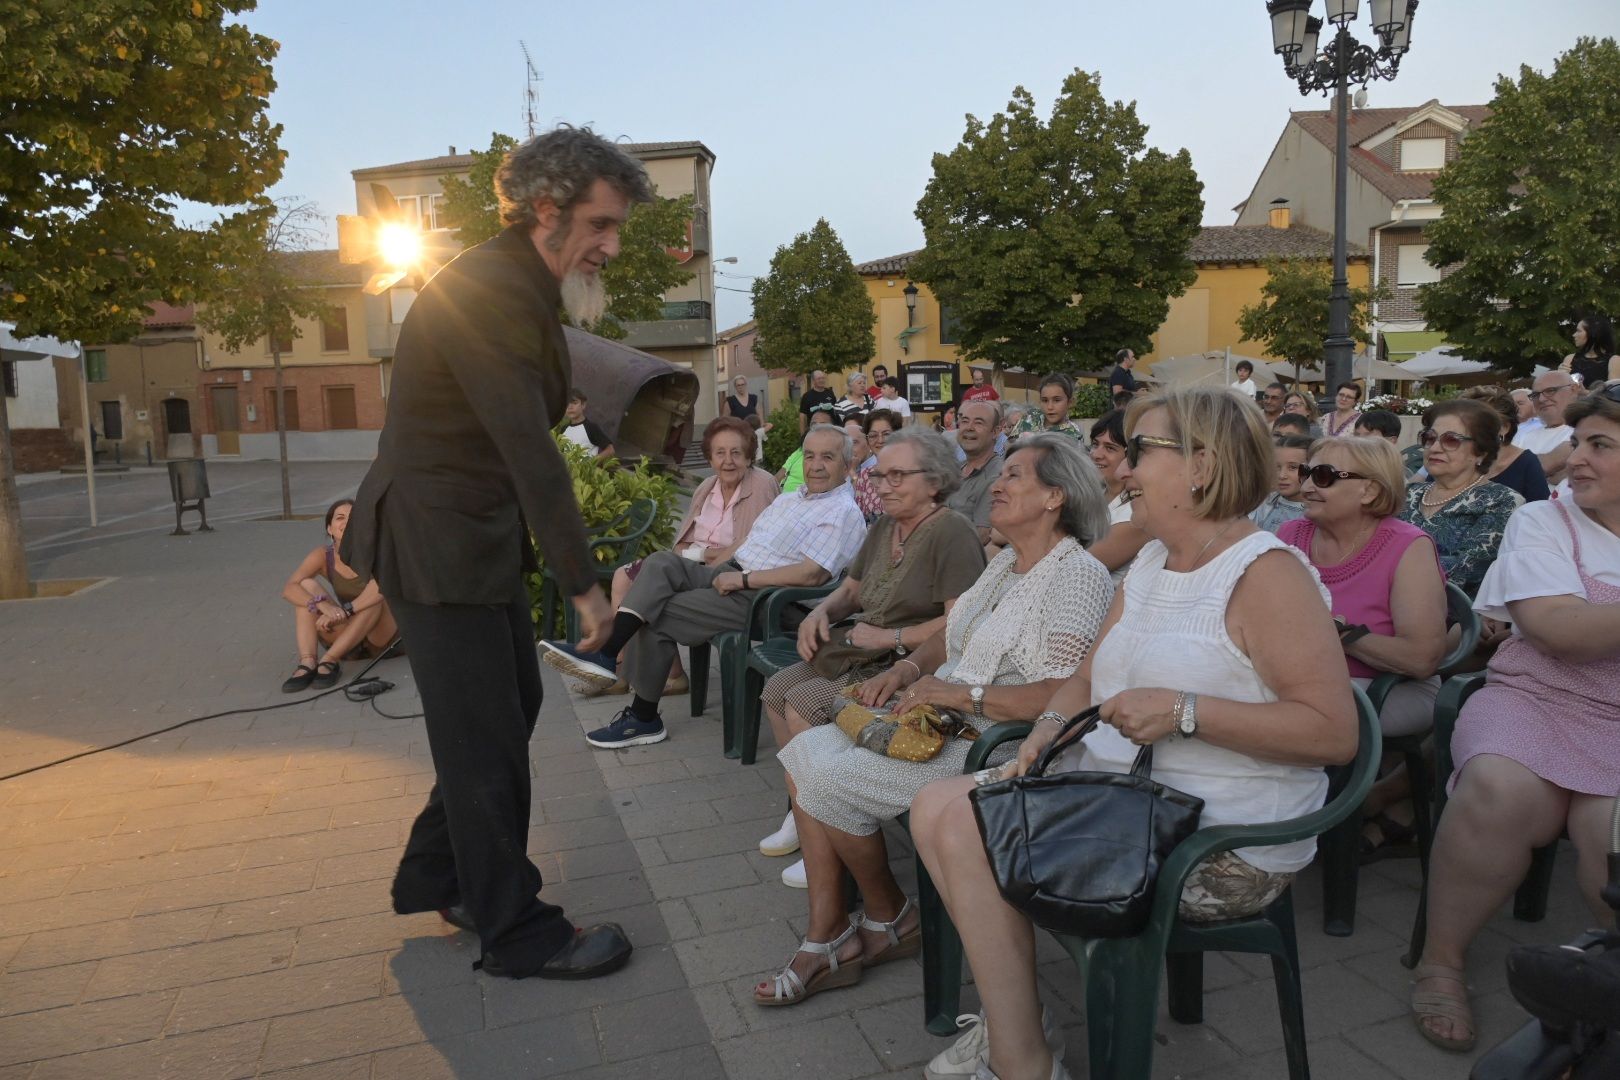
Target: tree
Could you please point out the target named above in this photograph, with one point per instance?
(1056, 244)
(1531, 231)
(812, 309)
(115, 113)
(635, 280)
(1291, 319)
(258, 295)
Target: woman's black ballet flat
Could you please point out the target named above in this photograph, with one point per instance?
(299, 680)
(326, 674)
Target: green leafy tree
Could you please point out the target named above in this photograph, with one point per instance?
(258, 295)
(635, 280)
(114, 114)
(812, 309)
(1291, 319)
(1055, 244)
(1531, 232)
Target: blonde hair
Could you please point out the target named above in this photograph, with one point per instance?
(1305, 396)
(1379, 461)
(1232, 430)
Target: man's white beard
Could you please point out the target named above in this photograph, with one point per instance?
(584, 298)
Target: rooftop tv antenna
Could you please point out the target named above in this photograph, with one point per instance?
(531, 89)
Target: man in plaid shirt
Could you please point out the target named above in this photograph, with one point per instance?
(806, 537)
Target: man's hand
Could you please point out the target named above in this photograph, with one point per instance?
(728, 582)
(595, 619)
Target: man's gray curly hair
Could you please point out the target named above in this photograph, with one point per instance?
(562, 165)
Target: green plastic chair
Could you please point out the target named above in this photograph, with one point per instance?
(1121, 975)
(1341, 848)
(623, 534)
(1530, 901)
(774, 652)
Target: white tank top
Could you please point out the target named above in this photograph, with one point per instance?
(1172, 635)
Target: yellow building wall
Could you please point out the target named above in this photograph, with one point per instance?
(1205, 317)
(306, 348)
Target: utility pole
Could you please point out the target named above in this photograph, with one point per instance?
(531, 90)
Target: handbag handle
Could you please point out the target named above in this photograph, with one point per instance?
(1078, 727)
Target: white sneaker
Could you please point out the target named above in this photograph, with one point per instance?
(784, 841)
(794, 876)
(970, 1053)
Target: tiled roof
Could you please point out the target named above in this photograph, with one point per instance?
(1256, 243)
(893, 264)
(735, 332)
(321, 267)
(1364, 124)
(451, 163)
(168, 317)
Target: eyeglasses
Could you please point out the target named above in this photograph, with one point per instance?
(1449, 441)
(1325, 476)
(1537, 395)
(1137, 443)
(893, 477)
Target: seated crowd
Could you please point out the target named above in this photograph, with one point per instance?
(1215, 578)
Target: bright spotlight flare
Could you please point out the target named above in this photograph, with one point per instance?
(399, 245)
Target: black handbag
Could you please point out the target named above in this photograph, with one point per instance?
(1080, 852)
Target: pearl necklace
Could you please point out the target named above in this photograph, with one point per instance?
(1427, 505)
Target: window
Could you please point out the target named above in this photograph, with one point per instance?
(335, 330)
(282, 344)
(947, 326)
(340, 414)
(8, 377)
(423, 211)
(95, 365)
(1423, 155)
(112, 420)
(290, 396)
(1411, 266)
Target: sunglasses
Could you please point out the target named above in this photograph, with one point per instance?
(1449, 441)
(1137, 443)
(1325, 476)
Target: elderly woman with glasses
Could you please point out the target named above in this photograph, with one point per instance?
(1009, 642)
(1220, 653)
(1465, 512)
(1537, 749)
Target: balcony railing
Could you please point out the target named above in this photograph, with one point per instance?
(686, 309)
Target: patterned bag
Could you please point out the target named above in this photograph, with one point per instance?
(918, 734)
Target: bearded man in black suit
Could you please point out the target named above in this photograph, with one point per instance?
(466, 465)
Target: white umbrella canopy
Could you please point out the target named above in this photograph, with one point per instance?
(1441, 361)
(1214, 368)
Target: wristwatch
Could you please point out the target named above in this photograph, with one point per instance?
(1186, 715)
(745, 579)
(899, 646)
(976, 695)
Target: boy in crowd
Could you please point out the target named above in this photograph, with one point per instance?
(1284, 504)
(582, 432)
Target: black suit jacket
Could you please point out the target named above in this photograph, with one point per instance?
(481, 376)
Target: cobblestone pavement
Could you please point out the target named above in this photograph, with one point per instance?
(213, 902)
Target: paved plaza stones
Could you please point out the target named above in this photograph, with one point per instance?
(213, 903)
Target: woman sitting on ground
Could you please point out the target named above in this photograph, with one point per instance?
(1118, 546)
(1220, 652)
(1389, 599)
(1009, 642)
(1057, 398)
(1537, 749)
(1515, 467)
(1464, 512)
(346, 613)
(915, 562)
(722, 510)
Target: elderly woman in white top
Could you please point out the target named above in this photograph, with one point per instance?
(1010, 640)
(1221, 651)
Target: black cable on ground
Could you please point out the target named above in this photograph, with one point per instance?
(345, 688)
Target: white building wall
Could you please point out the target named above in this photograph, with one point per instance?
(35, 403)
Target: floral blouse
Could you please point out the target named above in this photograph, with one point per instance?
(866, 495)
(1467, 530)
(1034, 422)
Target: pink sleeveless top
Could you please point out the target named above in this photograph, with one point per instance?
(1362, 584)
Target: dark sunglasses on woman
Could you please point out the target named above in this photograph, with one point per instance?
(1325, 476)
(1449, 441)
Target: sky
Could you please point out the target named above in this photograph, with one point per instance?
(833, 109)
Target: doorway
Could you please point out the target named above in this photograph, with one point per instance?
(227, 427)
(176, 434)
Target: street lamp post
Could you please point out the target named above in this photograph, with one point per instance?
(1295, 33)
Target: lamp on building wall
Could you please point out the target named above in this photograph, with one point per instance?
(911, 317)
(1295, 34)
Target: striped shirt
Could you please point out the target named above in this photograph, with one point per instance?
(827, 528)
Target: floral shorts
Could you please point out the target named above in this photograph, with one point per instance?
(1226, 887)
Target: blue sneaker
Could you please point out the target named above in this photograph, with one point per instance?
(627, 730)
(598, 670)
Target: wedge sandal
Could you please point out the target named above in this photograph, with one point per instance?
(787, 988)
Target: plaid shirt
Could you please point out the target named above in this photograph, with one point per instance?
(828, 528)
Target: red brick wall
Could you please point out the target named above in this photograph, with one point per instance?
(1402, 304)
(309, 382)
(42, 449)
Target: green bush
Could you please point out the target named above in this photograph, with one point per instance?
(604, 491)
(1091, 401)
(783, 437)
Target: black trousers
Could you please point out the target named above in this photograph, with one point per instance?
(477, 671)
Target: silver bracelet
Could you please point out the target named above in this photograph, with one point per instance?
(1053, 715)
(913, 663)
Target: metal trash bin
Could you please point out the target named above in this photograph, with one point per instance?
(188, 487)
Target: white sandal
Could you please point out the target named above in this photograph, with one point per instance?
(788, 989)
(899, 947)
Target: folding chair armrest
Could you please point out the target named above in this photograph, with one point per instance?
(778, 599)
(989, 740)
